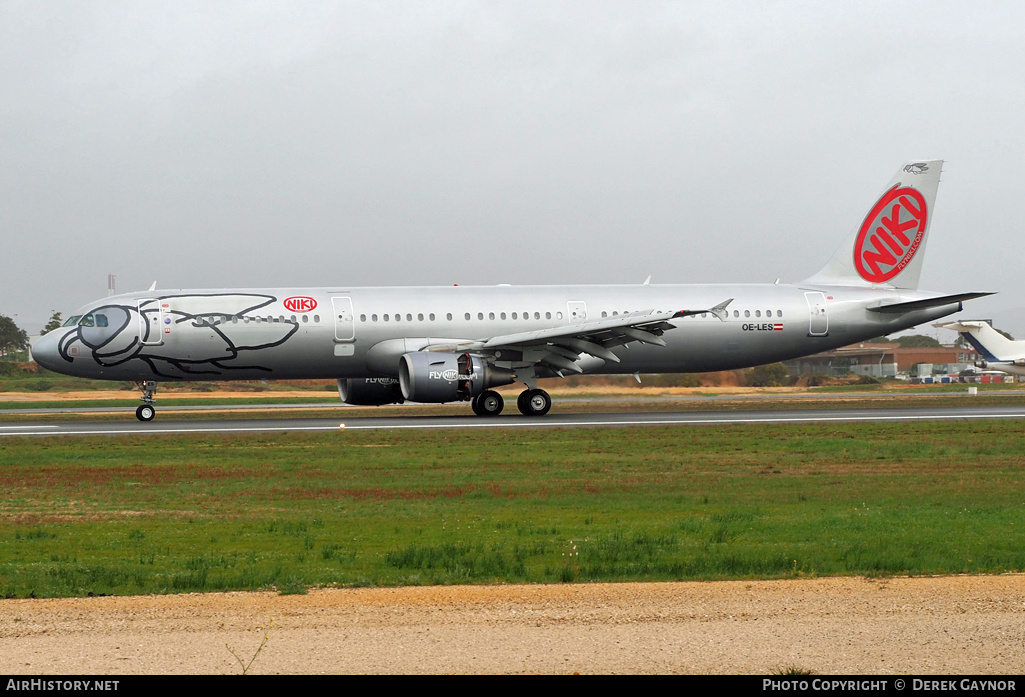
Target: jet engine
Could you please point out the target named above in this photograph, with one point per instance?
(426, 376)
(370, 392)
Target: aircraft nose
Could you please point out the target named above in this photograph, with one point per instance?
(45, 353)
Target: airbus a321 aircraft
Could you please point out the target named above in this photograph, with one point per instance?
(449, 344)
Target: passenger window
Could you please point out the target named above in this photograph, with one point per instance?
(736, 313)
(409, 316)
(480, 315)
(747, 313)
(548, 315)
(514, 315)
(420, 317)
(373, 318)
(779, 313)
(758, 313)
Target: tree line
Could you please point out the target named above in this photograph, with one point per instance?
(14, 339)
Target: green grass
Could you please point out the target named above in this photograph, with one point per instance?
(168, 514)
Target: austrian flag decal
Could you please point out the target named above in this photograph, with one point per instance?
(777, 327)
(891, 234)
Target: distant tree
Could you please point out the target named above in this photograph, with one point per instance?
(11, 337)
(917, 341)
(1006, 334)
(54, 323)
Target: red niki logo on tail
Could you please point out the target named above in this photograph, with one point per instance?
(891, 234)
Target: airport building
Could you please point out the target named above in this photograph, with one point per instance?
(886, 360)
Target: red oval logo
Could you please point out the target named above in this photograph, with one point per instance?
(300, 303)
(891, 234)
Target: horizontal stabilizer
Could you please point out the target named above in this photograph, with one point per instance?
(912, 305)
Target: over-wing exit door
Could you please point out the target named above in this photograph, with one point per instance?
(345, 326)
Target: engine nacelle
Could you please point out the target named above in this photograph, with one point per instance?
(371, 392)
(426, 376)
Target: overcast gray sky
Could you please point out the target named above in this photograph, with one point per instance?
(239, 144)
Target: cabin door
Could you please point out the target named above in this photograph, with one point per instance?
(818, 321)
(152, 324)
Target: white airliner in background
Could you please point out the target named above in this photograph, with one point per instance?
(448, 344)
(997, 351)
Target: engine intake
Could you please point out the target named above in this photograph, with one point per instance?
(448, 377)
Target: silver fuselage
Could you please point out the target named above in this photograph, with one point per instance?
(345, 332)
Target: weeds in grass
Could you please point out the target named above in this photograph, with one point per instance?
(571, 565)
(266, 637)
(792, 670)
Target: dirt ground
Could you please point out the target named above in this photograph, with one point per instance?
(948, 625)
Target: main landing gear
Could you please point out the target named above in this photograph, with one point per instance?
(534, 402)
(146, 410)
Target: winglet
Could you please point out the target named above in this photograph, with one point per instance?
(719, 311)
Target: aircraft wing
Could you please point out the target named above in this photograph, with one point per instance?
(560, 348)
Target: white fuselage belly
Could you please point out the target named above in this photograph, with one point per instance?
(362, 332)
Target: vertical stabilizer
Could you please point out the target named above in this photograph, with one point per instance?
(888, 246)
(991, 344)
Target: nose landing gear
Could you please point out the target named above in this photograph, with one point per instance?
(146, 410)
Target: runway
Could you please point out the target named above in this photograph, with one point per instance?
(615, 420)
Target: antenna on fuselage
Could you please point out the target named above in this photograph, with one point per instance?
(111, 284)
(153, 286)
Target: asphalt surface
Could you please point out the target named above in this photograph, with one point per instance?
(132, 427)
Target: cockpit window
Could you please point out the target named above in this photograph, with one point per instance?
(72, 321)
(93, 319)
